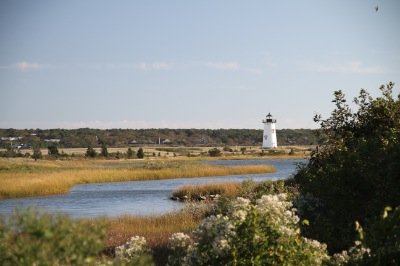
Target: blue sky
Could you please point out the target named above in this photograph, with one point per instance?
(190, 64)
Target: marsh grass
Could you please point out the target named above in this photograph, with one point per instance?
(155, 229)
(193, 192)
(22, 178)
(229, 190)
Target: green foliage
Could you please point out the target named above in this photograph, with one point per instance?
(104, 151)
(264, 233)
(30, 237)
(377, 245)
(9, 153)
(130, 153)
(227, 148)
(356, 172)
(53, 150)
(140, 153)
(90, 152)
(37, 154)
(215, 152)
(383, 239)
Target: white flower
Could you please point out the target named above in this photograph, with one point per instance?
(179, 240)
(240, 215)
(134, 247)
(241, 202)
(220, 245)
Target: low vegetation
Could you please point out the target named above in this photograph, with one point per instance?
(155, 229)
(28, 178)
(31, 237)
(208, 191)
(231, 190)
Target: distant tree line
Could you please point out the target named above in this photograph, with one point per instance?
(97, 138)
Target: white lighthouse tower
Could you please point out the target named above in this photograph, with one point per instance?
(269, 140)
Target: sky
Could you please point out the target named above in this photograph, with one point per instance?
(190, 64)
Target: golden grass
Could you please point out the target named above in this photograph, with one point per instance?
(228, 189)
(155, 229)
(28, 178)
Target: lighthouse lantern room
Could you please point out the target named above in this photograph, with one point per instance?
(269, 140)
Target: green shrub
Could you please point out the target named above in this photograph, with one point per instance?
(53, 151)
(254, 190)
(37, 154)
(140, 153)
(356, 172)
(31, 237)
(90, 152)
(377, 245)
(104, 151)
(214, 152)
(227, 148)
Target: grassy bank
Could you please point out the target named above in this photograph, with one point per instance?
(24, 178)
(193, 193)
(248, 189)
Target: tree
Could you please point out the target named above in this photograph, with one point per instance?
(104, 151)
(355, 173)
(140, 153)
(130, 153)
(53, 150)
(37, 154)
(90, 152)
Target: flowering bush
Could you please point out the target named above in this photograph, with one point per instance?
(354, 256)
(180, 244)
(264, 233)
(134, 248)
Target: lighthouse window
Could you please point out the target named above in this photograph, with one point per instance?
(273, 130)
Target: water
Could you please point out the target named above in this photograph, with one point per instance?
(137, 197)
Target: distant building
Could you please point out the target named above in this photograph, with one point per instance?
(269, 139)
(166, 141)
(52, 140)
(133, 141)
(10, 138)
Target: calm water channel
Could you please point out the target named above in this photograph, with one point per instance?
(137, 197)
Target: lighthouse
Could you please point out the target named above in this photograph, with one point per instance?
(269, 139)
